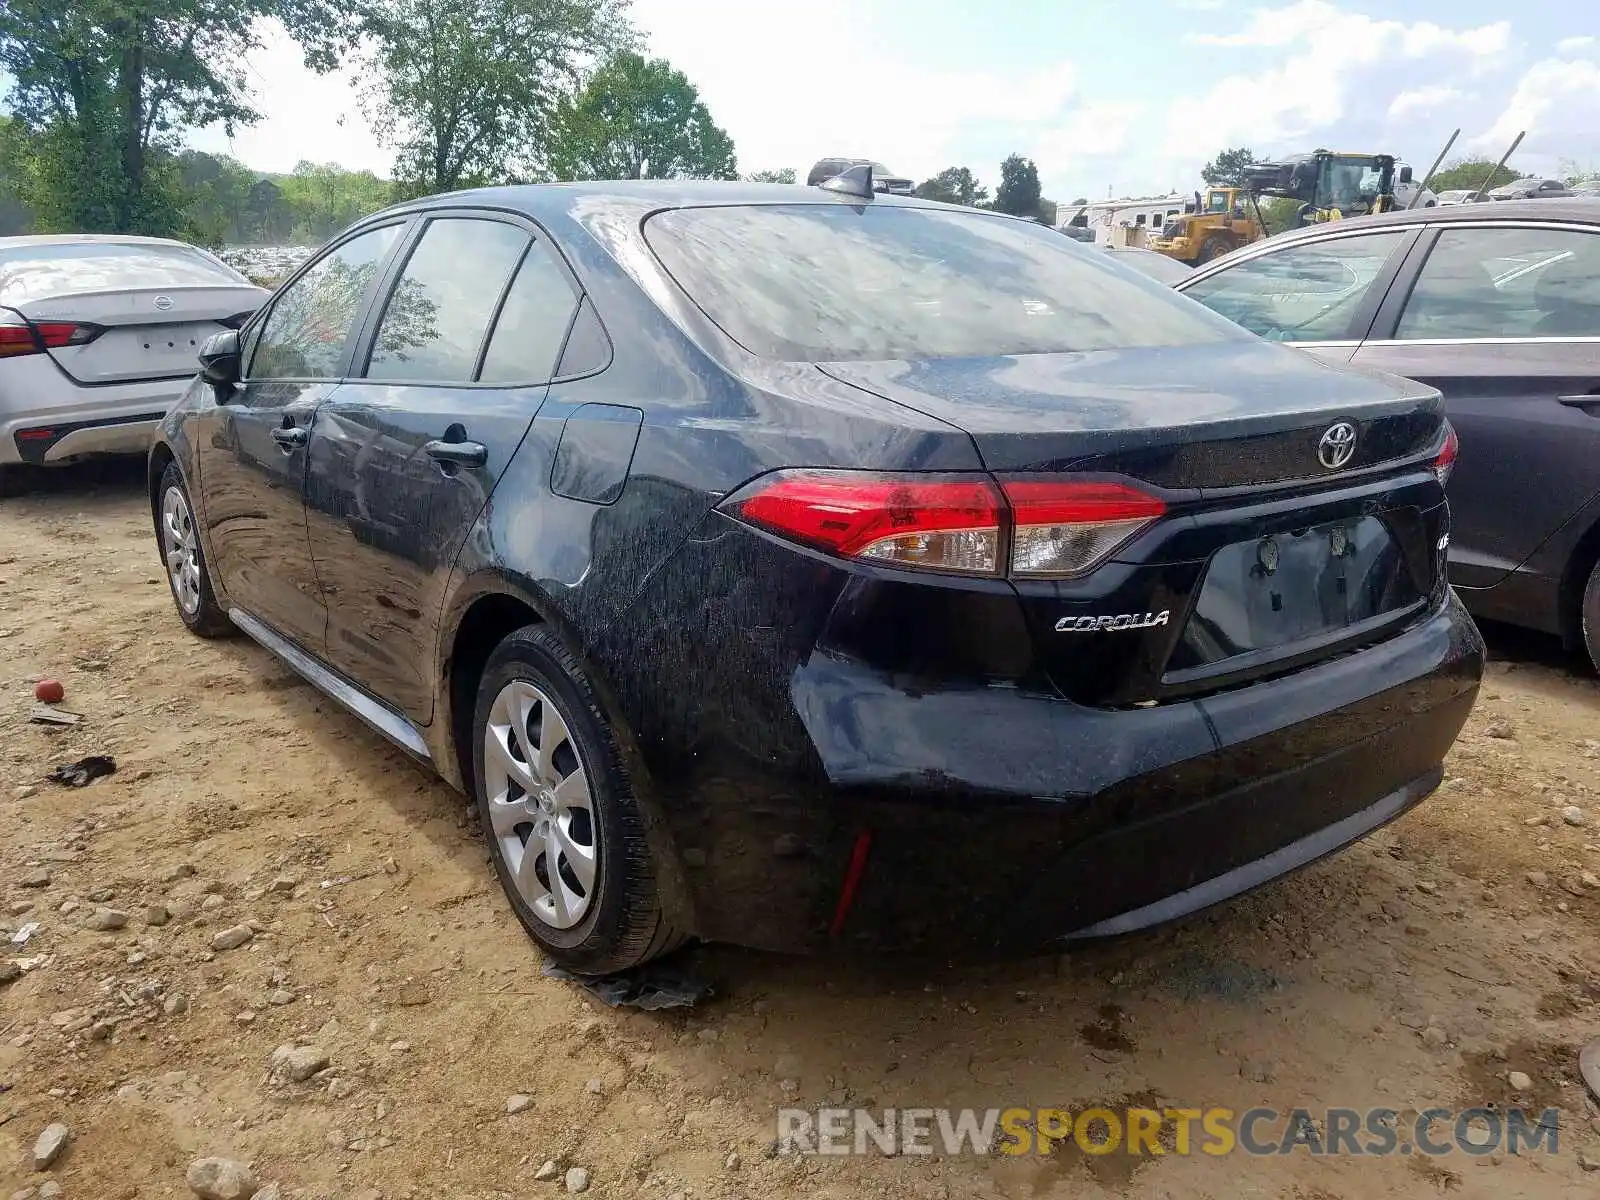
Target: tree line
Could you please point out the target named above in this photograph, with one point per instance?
(463, 92)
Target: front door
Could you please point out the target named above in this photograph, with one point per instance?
(404, 456)
(253, 464)
(1505, 321)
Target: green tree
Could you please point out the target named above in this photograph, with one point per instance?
(954, 185)
(1469, 173)
(641, 119)
(110, 86)
(16, 165)
(324, 198)
(467, 90)
(1227, 168)
(1018, 193)
(782, 175)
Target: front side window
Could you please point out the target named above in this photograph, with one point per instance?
(1506, 283)
(435, 319)
(821, 282)
(1303, 293)
(312, 320)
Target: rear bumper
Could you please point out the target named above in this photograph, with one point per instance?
(105, 419)
(997, 821)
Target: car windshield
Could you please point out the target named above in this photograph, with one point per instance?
(32, 272)
(825, 282)
(1157, 266)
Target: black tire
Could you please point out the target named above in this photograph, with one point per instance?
(1589, 617)
(207, 619)
(624, 924)
(1214, 246)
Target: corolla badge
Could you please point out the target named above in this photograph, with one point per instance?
(1113, 624)
(1338, 445)
(163, 302)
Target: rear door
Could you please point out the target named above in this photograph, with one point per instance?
(144, 308)
(405, 455)
(253, 455)
(1319, 294)
(1504, 318)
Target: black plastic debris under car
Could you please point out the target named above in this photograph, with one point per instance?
(84, 771)
(652, 986)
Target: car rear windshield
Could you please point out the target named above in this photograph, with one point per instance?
(825, 282)
(40, 271)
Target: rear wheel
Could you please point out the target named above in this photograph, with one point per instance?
(565, 833)
(186, 561)
(1591, 617)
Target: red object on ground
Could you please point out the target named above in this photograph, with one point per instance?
(49, 691)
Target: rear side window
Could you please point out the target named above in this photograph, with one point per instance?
(821, 282)
(40, 271)
(435, 319)
(1303, 293)
(533, 322)
(312, 319)
(1500, 283)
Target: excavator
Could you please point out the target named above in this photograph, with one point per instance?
(1326, 185)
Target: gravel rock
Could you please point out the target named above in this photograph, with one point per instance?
(1427, 887)
(732, 1161)
(157, 915)
(298, 1063)
(232, 938)
(49, 1190)
(1573, 815)
(521, 1102)
(1538, 878)
(270, 1192)
(280, 997)
(50, 1145)
(108, 919)
(1588, 1160)
(1499, 729)
(283, 885)
(175, 1004)
(211, 903)
(35, 879)
(594, 1087)
(19, 907)
(1519, 1081)
(9, 971)
(181, 871)
(1258, 1070)
(577, 1180)
(220, 1179)
(1435, 1038)
(548, 1171)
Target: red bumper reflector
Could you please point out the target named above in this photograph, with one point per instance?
(35, 435)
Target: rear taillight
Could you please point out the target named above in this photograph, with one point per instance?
(1027, 528)
(18, 337)
(942, 524)
(1445, 460)
(1064, 529)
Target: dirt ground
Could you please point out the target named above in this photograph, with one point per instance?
(1419, 968)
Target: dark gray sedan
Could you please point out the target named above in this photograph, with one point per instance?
(1499, 308)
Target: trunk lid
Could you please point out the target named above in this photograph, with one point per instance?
(146, 333)
(1232, 414)
(1267, 558)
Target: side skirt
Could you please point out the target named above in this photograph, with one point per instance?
(374, 712)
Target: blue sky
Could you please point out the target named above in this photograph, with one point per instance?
(1131, 97)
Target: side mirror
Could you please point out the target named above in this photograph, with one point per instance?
(1405, 174)
(219, 359)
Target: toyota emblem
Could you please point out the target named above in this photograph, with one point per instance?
(1338, 445)
(163, 302)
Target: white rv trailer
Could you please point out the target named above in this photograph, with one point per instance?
(1144, 216)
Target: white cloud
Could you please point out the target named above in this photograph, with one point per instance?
(307, 116)
(1424, 99)
(1573, 44)
(1554, 101)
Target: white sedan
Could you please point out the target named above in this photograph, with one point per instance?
(99, 336)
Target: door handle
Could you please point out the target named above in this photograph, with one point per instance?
(289, 436)
(457, 454)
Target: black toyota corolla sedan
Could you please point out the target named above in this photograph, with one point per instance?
(803, 568)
